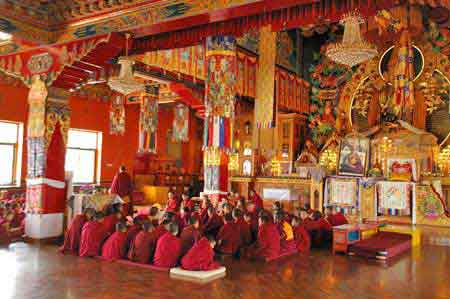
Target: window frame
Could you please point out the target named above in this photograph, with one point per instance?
(17, 155)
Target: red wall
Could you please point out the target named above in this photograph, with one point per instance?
(94, 115)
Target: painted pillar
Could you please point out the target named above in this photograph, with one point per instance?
(48, 124)
(220, 92)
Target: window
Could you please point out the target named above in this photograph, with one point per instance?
(83, 156)
(11, 137)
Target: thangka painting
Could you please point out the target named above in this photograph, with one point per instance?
(287, 55)
(180, 124)
(148, 123)
(117, 116)
(394, 198)
(342, 192)
(353, 156)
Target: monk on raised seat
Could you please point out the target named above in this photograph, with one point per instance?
(301, 236)
(72, 236)
(190, 234)
(334, 217)
(172, 202)
(168, 248)
(244, 228)
(287, 242)
(201, 256)
(144, 244)
(115, 247)
(93, 235)
(213, 222)
(229, 237)
(268, 243)
(114, 215)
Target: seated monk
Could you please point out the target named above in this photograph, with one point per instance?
(213, 222)
(301, 236)
(256, 200)
(133, 230)
(168, 248)
(73, 233)
(172, 202)
(253, 228)
(240, 204)
(287, 242)
(229, 237)
(113, 216)
(144, 244)
(268, 243)
(93, 235)
(115, 247)
(201, 256)
(153, 215)
(334, 217)
(190, 234)
(187, 202)
(185, 215)
(319, 229)
(244, 228)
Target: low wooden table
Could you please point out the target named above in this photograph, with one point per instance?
(347, 234)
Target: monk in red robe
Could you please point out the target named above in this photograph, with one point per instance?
(185, 215)
(172, 203)
(115, 247)
(143, 245)
(244, 228)
(168, 248)
(334, 217)
(73, 233)
(113, 216)
(229, 237)
(256, 200)
(201, 256)
(301, 236)
(153, 215)
(133, 230)
(187, 202)
(93, 235)
(122, 185)
(287, 242)
(268, 243)
(190, 235)
(213, 222)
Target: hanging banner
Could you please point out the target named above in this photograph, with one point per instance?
(117, 115)
(180, 131)
(148, 122)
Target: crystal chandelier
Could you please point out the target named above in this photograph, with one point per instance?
(125, 83)
(353, 50)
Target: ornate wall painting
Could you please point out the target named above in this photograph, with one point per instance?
(250, 41)
(353, 156)
(342, 192)
(287, 55)
(394, 198)
(148, 122)
(180, 129)
(117, 115)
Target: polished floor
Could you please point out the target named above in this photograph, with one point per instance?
(39, 272)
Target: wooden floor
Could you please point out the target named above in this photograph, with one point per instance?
(33, 272)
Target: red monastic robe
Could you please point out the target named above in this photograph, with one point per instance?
(213, 224)
(189, 204)
(257, 201)
(200, 257)
(168, 250)
(115, 248)
(109, 222)
(93, 235)
(172, 205)
(302, 239)
(189, 236)
(73, 235)
(268, 245)
(337, 219)
(230, 238)
(132, 233)
(122, 185)
(143, 247)
(245, 231)
(285, 245)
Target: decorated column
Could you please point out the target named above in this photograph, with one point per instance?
(48, 124)
(220, 91)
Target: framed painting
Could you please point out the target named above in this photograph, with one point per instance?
(353, 156)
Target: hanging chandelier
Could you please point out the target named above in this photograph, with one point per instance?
(125, 83)
(353, 50)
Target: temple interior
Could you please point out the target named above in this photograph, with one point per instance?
(225, 149)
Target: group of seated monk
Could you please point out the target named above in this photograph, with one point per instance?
(189, 235)
(12, 217)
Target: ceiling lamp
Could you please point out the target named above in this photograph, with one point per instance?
(125, 83)
(353, 50)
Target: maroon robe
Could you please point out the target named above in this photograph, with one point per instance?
(189, 236)
(189, 204)
(172, 205)
(285, 245)
(213, 224)
(93, 235)
(337, 219)
(109, 222)
(168, 250)
(257, 201)
(143, 247)
(131, 234)
(245, 231)
(230, 238)
(73, 235)
(200, 257)
(115, 247)
(268, 245)
(302, 239)
(122, 185)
